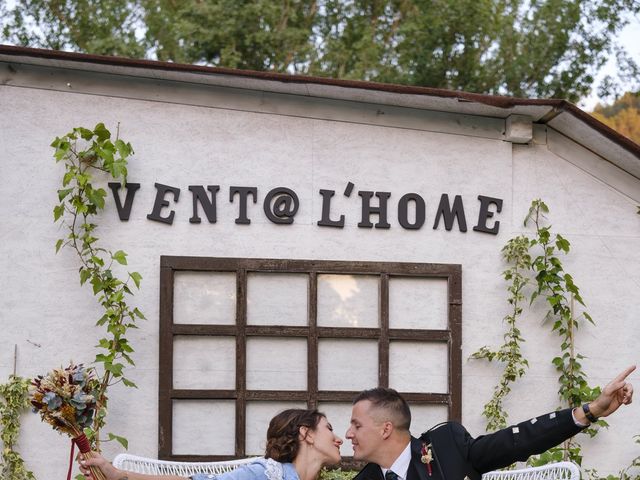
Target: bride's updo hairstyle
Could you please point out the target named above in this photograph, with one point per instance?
(283, 432)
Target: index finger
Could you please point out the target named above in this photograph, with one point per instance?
(624, 374)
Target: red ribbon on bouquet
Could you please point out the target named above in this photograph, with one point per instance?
(85, 448)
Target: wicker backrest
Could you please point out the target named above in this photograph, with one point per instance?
(551, 471)
(132, 463)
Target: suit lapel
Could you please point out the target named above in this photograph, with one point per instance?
(371, 471)
(417, 469)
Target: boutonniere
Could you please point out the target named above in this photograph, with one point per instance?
(426, 456)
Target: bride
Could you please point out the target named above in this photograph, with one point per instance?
(299, 443)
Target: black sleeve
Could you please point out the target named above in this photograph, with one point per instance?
(517, 442)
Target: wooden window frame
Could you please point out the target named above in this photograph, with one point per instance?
(169, 265)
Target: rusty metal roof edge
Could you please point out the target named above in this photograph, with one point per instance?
(504, 102)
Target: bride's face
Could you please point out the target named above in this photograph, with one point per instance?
(325, 442)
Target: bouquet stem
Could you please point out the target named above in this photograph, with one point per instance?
(83, 444)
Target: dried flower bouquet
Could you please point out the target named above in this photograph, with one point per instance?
(66, 400)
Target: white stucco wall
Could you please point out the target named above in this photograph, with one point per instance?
(45, 312)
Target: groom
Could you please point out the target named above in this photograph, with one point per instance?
(379, 432)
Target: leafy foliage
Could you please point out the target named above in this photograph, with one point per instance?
(556, 286)
(515, 252)
(93, 26)
(13, 401)
(82, 151)
(337, 474)
(535, 262)
(623, 115)
(517, 47)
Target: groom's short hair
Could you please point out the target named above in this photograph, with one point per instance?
(395, 407)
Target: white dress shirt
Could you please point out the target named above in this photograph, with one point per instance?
(401, 466)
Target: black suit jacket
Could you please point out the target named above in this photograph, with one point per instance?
(457, 455)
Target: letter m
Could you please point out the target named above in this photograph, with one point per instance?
(451, 213)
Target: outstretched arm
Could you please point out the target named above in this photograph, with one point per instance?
(112, 473)
(518, 442)
(616, 393)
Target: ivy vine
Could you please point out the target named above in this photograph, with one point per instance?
(515, 252)
(84, 152)
(535, 262)
(14, 400)
(557, 287)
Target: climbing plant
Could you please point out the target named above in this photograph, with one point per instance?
(535, 262)
(516, 253)
(13, 401)
(560, 292)
(85, 152)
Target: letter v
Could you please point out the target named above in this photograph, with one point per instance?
(124, 212)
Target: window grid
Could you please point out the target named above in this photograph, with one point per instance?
(451, 336)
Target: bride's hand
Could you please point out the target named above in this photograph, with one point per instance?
(98, 461)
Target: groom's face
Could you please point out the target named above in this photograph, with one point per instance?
(365, 432)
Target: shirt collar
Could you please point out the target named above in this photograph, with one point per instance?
(401, 465)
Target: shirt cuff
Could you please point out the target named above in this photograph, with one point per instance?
(579, 424)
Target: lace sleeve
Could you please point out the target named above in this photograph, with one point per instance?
(273, 470)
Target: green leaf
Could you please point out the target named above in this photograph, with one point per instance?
(96, 197)
(120, 257)
(58, 211)
(121, 440)
(59, 244)
(114, 368)
(85, 133)
(101, 132)
(588, 317)
(129, 383)
(97, 284)
(136, 277)
(97, 260)
(124, 149)
(85, 273)
(62, 194)
(67, 178)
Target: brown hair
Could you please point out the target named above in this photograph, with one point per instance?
(392, 402)
(283, 432)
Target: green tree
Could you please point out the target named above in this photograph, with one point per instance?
(531, 48)
(104, 27)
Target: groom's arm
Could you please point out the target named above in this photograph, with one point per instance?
(531, 437)
(519, 442)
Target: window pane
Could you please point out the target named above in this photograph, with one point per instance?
(277, 299)
(347, 364)
(204, 298)
(277, 363)
(418, 367)
(259, 414)
(348, 301)
(339, 415)
(423, 417)
(419, 303)
(204, 362)
(204, 427)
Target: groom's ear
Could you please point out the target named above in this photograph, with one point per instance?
(387, 429)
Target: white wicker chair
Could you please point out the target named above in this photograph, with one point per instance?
(551, 471)
(131, 463)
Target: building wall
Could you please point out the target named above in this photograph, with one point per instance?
(185, 134)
